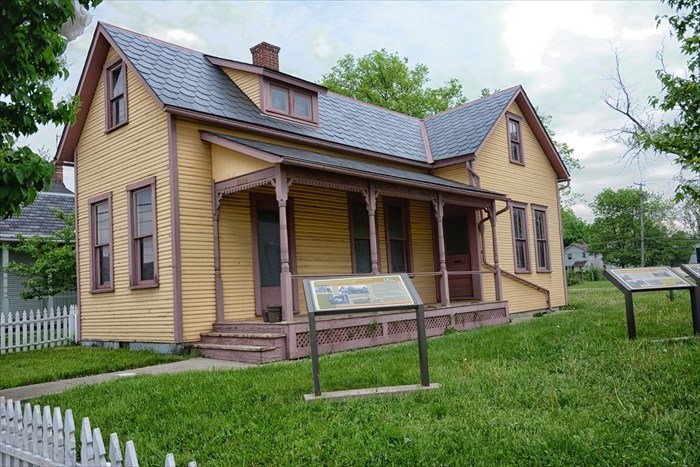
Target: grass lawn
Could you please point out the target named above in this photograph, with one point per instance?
(567, 388)
(40, 366)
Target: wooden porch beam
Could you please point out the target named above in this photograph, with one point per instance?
(282, 194)
(218, 282)
(245, 182)
(439, 206)
(371, 196)
(496, 263)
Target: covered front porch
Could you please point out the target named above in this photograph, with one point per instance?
(294, 214)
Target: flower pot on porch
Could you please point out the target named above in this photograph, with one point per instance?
(274, 314)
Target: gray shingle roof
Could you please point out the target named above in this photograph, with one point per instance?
(186, 79)
(38, 218)
(357, 166)
(460, 131)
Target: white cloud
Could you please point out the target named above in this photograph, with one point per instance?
(586, 145)
(321, 45)
(179, 36)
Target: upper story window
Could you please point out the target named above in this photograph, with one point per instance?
(290, 102)
(101, 258)
(115, 86)
(396, 212)
(143, 247)
(515, 139)
(542, 239)
(520, 239)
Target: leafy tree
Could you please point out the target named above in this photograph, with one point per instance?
(30, 58)
(616, 230)
(386, 80)
(576, 230)
(52, 270)
(680, 95)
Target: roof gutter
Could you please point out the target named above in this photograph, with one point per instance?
(289, 137)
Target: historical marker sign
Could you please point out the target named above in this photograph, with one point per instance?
(692, 269)
(632, 280)
(352, 293)
(655, 278)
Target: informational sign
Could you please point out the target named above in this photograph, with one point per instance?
(352, 293)
(655, 278)
(692, 269)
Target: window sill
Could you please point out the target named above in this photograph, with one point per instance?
(545, 271)
(512, 161)
(98, 291)
(116, 127)
(145, 285)
(523, 271)
(289, 118)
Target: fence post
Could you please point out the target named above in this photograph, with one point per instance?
(72, 324)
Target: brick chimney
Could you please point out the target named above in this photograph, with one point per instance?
(266, 55)
(58, 172)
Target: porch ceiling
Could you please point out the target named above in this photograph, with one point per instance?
(299, 157)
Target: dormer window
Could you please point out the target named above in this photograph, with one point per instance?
(115, 87)
(290, 102)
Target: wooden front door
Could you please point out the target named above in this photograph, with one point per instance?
(458, 254)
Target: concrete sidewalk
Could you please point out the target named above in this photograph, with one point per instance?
(193, 364)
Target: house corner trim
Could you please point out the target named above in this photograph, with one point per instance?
(175, 229)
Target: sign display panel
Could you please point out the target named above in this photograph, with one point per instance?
(661, 277)
(692, 269)
(352, 293)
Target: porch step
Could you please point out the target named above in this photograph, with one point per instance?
(242, 353)
(254, 326)
(277, 339)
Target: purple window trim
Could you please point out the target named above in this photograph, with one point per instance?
(291, 92)
(517, 119)
(405, 214)
(95, 286)
(108, 69)
(134, 262)
(537, 208)
(520, 207)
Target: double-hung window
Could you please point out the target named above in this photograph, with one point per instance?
(115, 86)
(539, 214)
(520, 240)
(359, 230)
(515, 140)
(143, 248)
(101, 260)
(396, 213)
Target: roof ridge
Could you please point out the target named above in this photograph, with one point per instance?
(469, 103)
(155, 39)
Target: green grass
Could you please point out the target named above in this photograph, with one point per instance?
(40, 366)
(562, 389)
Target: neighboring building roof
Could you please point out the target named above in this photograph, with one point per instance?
(474, 119)
(581, 246)
(39, 218)
(366, 168)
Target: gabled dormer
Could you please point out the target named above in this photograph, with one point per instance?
(275, 93)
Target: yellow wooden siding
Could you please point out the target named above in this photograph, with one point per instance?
(228, 164)
(108, 162)
(381, 237)
(196, 231)
(322, 233)
(249, 83)
(455, 172)
(533, 183)
(236, 236)
(422, 248)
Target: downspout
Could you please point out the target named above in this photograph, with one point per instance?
(507, 273)
(473, 175)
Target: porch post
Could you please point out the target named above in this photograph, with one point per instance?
(439, 205)
(371, 203)
(496, 263)
(218, 283)
(282, 192)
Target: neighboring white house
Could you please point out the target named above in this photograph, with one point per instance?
(696, 254)
(577, 256)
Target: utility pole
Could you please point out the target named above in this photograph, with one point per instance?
(641, 217)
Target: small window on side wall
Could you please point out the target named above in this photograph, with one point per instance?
(143, 245)
(397, 238)
(515, 140)
(520, 239)
(115, 87)
(295, 104)
(541, 239)
(101, 258)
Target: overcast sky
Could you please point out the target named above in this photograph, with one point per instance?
(559, 51)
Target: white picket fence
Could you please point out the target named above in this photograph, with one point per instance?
(36, 329)
(44, 438)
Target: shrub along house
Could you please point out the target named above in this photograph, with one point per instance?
(208, 188)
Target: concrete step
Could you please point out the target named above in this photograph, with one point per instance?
(242, 353)
(254, 326)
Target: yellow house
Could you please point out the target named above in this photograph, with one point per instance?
(208, 188)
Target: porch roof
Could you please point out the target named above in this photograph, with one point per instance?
(293, 156)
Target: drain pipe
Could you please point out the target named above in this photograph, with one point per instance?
(473, 175)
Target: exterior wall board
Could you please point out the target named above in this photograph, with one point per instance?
(422, 249)
(249, 83)
(228, 164)
(532, 183)
(108, 163)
